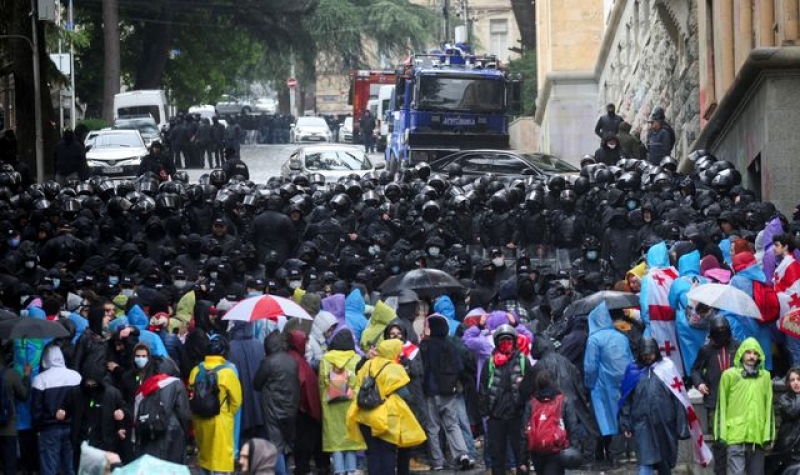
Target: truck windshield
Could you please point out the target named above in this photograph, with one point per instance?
(461, 94)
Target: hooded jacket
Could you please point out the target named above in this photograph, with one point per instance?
(607, 356)
(316, 343)
(744, 408)
(340, 356)
(374, 332)
(393, 421)
(172, 394)
(441, 359)
(335, 304)
(789, 432)
(278, 383)
(354, 306)
(216, 437)
(51, 387)
(689, 338)
(263, 457)
(605, 154)
(246, 353)
(711, 362)
(444, 306)
(309, 389)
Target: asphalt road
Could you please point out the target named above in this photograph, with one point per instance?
(264, 161)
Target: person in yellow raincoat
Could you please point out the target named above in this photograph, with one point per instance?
(391, 425)
(217, 436)
(337, 388)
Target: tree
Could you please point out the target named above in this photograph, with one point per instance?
(111, 59)
(525, 14)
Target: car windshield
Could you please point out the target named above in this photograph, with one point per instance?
(311, 122)
(117, 140)
(348, 122)
(549, 164)
(461, 94)
(337, 160)
(144, 126)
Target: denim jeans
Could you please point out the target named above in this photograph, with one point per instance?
(280, 464)
(793, 345)
(381, 455)
(55, 451)
(466, 430)
(344, 462)
(660, 469)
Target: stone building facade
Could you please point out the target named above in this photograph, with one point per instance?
(650, 59)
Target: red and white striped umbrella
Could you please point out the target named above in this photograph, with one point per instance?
(265, 307)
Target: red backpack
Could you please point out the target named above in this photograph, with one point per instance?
(546, 432)
(767, 301)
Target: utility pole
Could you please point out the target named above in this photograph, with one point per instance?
(37, 94)
(446, 14)
(292, 90)
(73, 119)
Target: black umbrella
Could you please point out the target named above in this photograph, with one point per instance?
(426, 282)
(612, 298)
(31, 328)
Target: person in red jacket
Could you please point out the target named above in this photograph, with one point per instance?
(788, 270)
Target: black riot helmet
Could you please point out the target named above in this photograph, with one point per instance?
(341, 203)
(629, 181)
(431, 211)
(556, 184)
(669, 163)
(568, 197)
(581, 185)
(720, 331)
(454, 170)
(218, 178)
(423, 170)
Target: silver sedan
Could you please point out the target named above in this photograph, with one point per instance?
(333, 161)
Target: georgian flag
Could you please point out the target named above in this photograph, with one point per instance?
(149, 386)
(660, 320)
(789, 321)
(667, 372)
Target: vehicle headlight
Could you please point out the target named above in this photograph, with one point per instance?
(405, 137)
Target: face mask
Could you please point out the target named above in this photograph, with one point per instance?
(612, 146)
(592, 255)
(433, 251)
(180, 283)
(140, 361)
(127, 292)
(374, 250)
(213, 275)
(293, 284)
(13, 243)
(395, 270)
(498, 261)
(254, 293)
(631, 205)
(113, 280)
(56, 283)
(30, 264)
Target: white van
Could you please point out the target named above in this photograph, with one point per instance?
(382, 115)
(142, 103)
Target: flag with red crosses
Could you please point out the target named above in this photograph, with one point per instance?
(660, 315)
(667, 372)
(789, 320)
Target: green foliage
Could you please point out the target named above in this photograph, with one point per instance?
(526, 66)
(93, 123)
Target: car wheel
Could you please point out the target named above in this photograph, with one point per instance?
(246, 110)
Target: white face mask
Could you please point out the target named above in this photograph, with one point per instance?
(434, 251)
(127, 292)
(141, 361)
(498, 261)
(612, 146)
(213, 274)
(113, 280)
(374, 250)
(30, 264)
(293, 284)
(180, 283)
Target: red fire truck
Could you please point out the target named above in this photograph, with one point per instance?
(364, 85)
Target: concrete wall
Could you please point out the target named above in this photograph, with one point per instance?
(764, 127)
(567, 125)
(524, 134)
(651, 60)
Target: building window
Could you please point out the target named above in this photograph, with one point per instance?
(498, 38)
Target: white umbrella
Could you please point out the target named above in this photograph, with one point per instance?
(725, 297)
(265, 307)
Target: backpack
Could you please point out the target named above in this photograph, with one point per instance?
(339, 389)
(546, 432)
(767, 301)
(151, 418)
(6, 409)
(205, 397)
(369, 396)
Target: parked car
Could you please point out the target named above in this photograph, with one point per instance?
(229, 104)
(146, 126)
(265, 105)
(505, 164)
(346, 130)
(116, 153)
(333, 161)
(310, 129)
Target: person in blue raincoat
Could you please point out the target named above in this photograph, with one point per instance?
(690, 338)
(748, 270)
(657, 258)
(140, 320)
(444, 306)
(607, 356)
(354, 306)
(28, 352)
